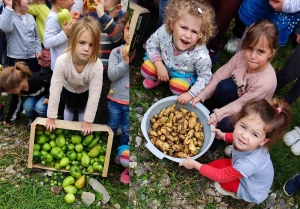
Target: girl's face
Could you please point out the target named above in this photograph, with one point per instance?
(185, 31)
(126, 33)
(23, 4)
(257, 56)
(249, 133)
(84, 48)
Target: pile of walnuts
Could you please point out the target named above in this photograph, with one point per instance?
(176, 133)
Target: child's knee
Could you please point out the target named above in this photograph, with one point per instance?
(179, 86)
(148, 70)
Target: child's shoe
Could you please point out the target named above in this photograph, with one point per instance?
(222, 191)
(150, 84)
(292, 136)
(228, 150)
(213, 56)
(292, 185)
(125, 178)
(295, 148)
(232, 44)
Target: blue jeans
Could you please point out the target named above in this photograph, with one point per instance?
(34, 107)
(226, 92)
(119, 114)
(162, 6)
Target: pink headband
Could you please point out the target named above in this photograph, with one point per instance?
(279, 110)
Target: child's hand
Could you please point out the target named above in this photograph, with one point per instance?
(184, 98)
(195, 100)
(125, 55)
(190, 163)
(50, 124)
(219, 134)
(99, 8)
(8, 3)
(67, 27)
(277, 5)
(84, 9)
(162, 72)
(86, 128)
(45, 101)
(298, 38)
(38, 55)
(212, 121)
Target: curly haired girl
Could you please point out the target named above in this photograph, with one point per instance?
(176, 52)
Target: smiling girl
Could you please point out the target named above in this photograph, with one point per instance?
(249, 174)
(176, 52)
(77, 78)
(248, 74)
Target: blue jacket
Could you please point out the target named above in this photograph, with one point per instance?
(252, 10)
(22, 42)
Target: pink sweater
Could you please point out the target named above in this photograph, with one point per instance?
(260, 85)
(65, 75)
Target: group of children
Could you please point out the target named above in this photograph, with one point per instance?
(243, 109)
(241, 92)
(89, 66)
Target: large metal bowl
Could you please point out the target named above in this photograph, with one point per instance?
(199, 109)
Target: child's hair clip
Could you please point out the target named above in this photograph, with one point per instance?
(200, 10)
(199, 35)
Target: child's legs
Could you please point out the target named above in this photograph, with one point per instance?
(180, 85)
(103, 103)
(226, 92)
(68, 113)
(40, 108)
(125, 125)
(148, 70)
(223, 163)
(81, 114)
(114, 115)
(32, 63)
(29, 106)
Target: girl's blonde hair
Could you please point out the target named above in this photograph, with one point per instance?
(11, 77)
(259, 29)
(176, 8)
(275, 114)
(91, 25)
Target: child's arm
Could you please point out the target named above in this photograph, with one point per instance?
(14, 108)
(54, 35)
(107, 23)
(6, 19)
(117, 69)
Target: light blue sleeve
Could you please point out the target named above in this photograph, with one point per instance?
(291, 6)
(6, 20)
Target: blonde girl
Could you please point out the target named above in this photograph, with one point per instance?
(28, 90)
(77, 78)
(249, 174)
(176, 52)
(247, 75)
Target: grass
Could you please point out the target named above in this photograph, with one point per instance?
(189, 184)
(27, 192)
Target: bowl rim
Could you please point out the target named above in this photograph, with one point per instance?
(159, 153)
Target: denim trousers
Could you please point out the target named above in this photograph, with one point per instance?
(226, 92)
(290, 72)
(162, 7)
(34, 107)
(119, 114)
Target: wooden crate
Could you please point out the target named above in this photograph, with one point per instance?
(70, 125)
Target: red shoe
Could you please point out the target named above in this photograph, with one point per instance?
(150, 84)
(125, 176)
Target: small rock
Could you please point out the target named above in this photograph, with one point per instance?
(42, 183)
(250, 205)
(56, 189)
(117, 206)
(210, 192)
(154, 204)
(270, 202)
(139, 110)
(18, 175)
(132, 164)
(282, 203)
(10, 170)
(140, 170)
(17, 142)
(144, 183)
(88, 198)
(148, 167)
(140, 117)
(155, 100)
(273, 195)
(138, 141)
(49, 173)
(200, 207)
(218, 199)
(97, 186)
(165, 182)
(133, 158)
(6, 130)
